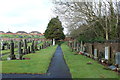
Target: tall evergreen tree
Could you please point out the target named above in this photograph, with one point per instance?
(54, 30)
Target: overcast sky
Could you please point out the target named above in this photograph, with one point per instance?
(25, 15)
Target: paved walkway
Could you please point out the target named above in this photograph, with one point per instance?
(57, 69)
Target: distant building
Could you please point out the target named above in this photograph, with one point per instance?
(21, 32)
(35, 32)
(2, 32)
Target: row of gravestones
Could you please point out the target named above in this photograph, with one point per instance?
(26, 49)
(6, 45)
(79, 47)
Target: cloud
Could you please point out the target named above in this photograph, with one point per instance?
(25, 15)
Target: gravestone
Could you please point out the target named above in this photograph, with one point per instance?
(2, 45)
(29, 49)
(40, 48)
(20, 50)
(107, 53)
(81, 46)
(25, 46)
(117, 58)
(32, 47)
(11, 56)
(36, 46)
(53, 42)
(77, 47)
(95, 53)
(74, 45)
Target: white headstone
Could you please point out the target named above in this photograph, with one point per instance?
(95, 53)
(107, 53)
(53, 41)
(8, 58)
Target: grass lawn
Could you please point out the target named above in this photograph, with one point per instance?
(38, 63)
(80, 69)
(8, 51)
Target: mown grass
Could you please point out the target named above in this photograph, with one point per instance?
(38, 63)
(8, 51)
(80, 69)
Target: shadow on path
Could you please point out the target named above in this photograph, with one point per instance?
(57, 69)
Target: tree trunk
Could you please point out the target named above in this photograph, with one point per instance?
(107, 35)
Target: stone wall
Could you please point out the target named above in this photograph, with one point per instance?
(114, 48)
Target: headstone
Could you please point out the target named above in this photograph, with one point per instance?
(19, 51)
(77, 47)
(53, 41)
(117, 58)
(29, 49)
(25, 46)
(8, 58)
(32, 47)
(107, 52)
(81, 46)
(74, 46)
(36, 46)
(12, 56)
(95, 53)
(40, 48)
(91, 49)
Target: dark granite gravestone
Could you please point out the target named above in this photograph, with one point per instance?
(20, 50)
(25, 46)
(11, 56)
(29, 49)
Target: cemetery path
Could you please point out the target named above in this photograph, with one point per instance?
(57, 69)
